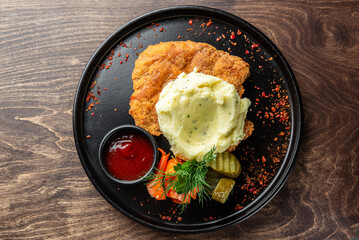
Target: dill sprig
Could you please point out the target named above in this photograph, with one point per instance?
(187, 177)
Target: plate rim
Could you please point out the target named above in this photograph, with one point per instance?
(296, 124)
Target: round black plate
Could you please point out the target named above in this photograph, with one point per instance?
(102, 103)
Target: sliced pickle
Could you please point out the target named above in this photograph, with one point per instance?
(212, 178)
(223, 189)
(226, 164)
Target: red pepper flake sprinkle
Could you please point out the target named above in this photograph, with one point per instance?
(238, 207)
(92, 114)
(161, 30)
(232, 36)
(88, 97)
(127, 56)
(101, 66)
(254, 46)
(179, 37)
(121, 62)
(91, 106)
(263, 159)
(167, 218)
(190, 22)
(209, 23)
(246, 52)
(239, 32)
(179, 219)
(88, 136)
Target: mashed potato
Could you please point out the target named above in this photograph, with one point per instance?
(197, 112)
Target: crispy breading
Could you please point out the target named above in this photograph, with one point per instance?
(163, 62)
(248, 129)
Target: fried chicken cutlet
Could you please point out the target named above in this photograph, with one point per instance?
(163, 62)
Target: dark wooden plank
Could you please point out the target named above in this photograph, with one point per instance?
(46, 194)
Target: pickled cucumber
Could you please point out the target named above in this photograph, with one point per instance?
(226, 164)
(223, 189)
(212, 178)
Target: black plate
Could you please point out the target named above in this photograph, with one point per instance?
(267, 156)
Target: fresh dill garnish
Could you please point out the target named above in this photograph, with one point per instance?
(187, 178)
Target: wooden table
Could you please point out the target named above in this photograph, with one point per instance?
(45, 193)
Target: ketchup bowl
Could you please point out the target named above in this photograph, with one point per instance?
(128, 154)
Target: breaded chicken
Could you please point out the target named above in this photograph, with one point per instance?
(163, 62)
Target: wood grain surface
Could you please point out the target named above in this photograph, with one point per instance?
(44, 191)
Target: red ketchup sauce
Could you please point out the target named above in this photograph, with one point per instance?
(128, 156)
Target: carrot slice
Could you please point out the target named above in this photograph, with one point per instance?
(176, 201)
(179, 198)
(154, 187)
(170, 165)
(163, 161)
(194, 193)
(170, 169)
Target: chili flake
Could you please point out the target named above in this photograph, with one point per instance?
(91, 106)
(88, 97)
(254, 46)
